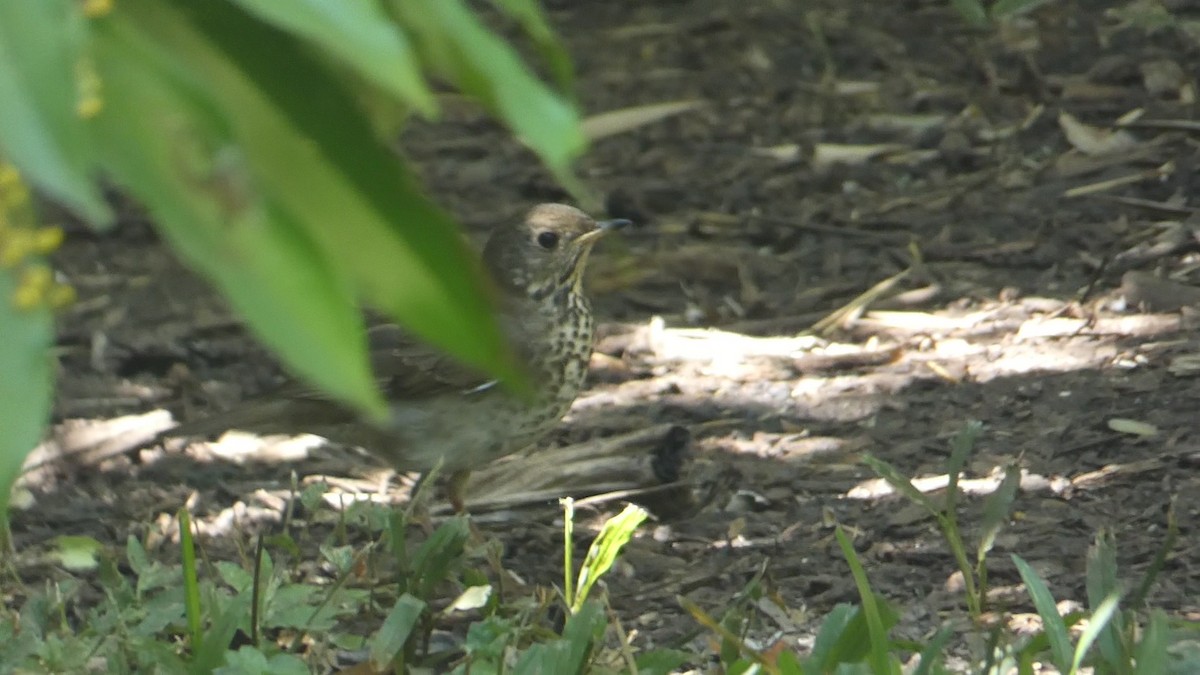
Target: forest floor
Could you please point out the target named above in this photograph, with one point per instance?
(1019, 199)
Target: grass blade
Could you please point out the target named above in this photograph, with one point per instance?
(388, 642)
(1052, 624)
(900, 482)
(1095, 625)
(996, 510)
(601, 555)
(568, 505)
(878, 655)
(191, 582)
(1151, 654)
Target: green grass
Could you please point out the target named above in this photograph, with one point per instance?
(391, 598)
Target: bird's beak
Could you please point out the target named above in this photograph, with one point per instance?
(602, 228)
(614, 224)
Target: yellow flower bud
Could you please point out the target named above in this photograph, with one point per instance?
(60, 296)
(27, 298)
(47, 239)
(38, 276)
(17, 245)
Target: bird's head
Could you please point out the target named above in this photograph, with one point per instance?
(546, 251)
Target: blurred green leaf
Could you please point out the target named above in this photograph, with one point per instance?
(453, 42)
(533, 20)
(26, 386)
(43, 68)
(789, 663)
(313, 152)
(165, 145)
(361, 36)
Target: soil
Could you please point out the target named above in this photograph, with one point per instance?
(1030, 266)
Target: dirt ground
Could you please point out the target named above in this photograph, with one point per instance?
(1033, 268)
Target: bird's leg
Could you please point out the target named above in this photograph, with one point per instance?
(456, 487)
(418, 511)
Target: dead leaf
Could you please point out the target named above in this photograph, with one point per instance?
(1092, 140)
(1133, 427)
(619, 121)
(828, 154)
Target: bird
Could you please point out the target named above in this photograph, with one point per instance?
(442, 413)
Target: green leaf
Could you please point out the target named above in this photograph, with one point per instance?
(570, 654)
(250, 661)
(875, 609)
(312, 152)
(135, 556)
(228, 616)
(191, 581)
(1102, 582)
(789, 663)
(42, 132)
(932, 654)
(581, 633)
(900, 482)
(1102, 568)
(1096, 623)
(960, 449)
(454, 42)
(361, 36)
(616, 532)
(434, 559)
(1052, 624)
(26, 386)
(662, 661)
(996, 509)
(391, 637)
(828, 646)
(487, 639)
(533, 20)
(1151, 652)
(77, 553)
(163, 143)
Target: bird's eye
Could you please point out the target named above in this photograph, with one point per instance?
(547, 240)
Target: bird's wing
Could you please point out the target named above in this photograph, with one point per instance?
(406, 368)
